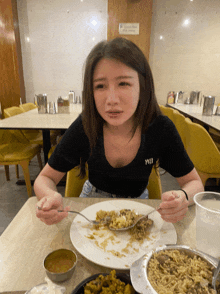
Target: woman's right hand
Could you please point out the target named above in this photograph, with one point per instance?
(49, 206)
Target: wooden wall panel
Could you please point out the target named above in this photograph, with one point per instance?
(11, 81)
(131, 11)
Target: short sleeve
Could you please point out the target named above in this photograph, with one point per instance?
(73, 146)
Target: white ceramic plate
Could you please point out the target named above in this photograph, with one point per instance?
(89, 245)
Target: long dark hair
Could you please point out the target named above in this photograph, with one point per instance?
(128, 53)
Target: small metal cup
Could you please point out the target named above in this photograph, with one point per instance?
(59, 257)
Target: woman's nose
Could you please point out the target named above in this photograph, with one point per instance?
(112, 97)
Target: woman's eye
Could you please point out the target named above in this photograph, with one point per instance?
(124, 84)
(99, 86)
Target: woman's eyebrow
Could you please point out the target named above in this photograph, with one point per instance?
(99, 80)
(117, 78)
(124, 77)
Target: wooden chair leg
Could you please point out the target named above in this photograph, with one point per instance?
(39, 161)
(7, 172)
(17, 171)
(25, 168)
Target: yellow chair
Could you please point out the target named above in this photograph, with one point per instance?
(215, 135)
(7, 137)
(32, 136)
(74, 184)
(13, 152)
(27, 106)
(202, 151)
(168, 111)
(179, 122)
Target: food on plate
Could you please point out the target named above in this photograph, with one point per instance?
(125, 218)
(107, 285)
(122, 219)
(174, 271)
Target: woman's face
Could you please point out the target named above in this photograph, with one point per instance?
(116, 91)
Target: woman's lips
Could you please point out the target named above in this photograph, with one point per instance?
(113, 114)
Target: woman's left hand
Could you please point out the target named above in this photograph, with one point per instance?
(174, 206)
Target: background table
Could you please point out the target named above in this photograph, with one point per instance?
(194, 111)
(26, 241)
(32, 120)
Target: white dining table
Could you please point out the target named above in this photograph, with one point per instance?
(194, 111)
(32, 120)
(26, 241)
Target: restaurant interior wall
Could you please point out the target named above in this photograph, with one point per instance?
(56, 37)
(184, 52)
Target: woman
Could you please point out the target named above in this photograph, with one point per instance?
(121, 134)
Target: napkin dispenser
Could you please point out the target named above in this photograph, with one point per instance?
(42, 103)
(208, 105)
(194, 97)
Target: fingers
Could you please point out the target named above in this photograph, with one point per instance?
(50, 202)
(49, 206)
(51, 217)
(54, 217)
(173, 207)
(173, 216)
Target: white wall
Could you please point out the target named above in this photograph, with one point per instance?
(188, 56)
(61, 35)
(56, 37)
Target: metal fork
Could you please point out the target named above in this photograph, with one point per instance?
(105, 220)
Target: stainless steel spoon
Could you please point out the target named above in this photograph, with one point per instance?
(134, 224)
(105, 220)
(215, 275)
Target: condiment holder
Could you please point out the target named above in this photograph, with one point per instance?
(217, 112)
(42, 103)
(52, 108)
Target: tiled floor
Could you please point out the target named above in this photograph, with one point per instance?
(13, 196)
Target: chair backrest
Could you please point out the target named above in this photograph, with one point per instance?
(11, 111)
(154, 185)
(6, 137)
(168, 111)
(74, 184)
(27, 106)
(179, 121)
(202, 149)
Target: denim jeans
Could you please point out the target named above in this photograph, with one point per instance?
(89, 190)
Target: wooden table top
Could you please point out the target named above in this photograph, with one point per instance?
(26, 241)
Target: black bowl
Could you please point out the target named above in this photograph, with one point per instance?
(80, 288)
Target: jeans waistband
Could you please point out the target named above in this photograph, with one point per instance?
(106, 194)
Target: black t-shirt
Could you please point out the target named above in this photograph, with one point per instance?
(160, 142)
